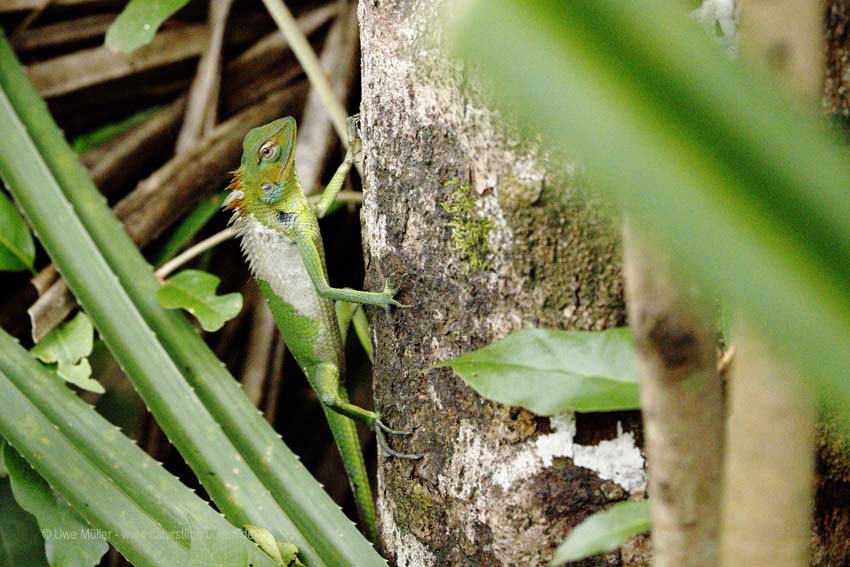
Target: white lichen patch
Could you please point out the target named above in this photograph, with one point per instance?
(618, 459)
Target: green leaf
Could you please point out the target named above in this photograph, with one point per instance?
(549, 372)
(604, 531)
(69, 540)
(20, 539)
(17, 249)
(91, 140)
(67, 346)
(194, 291)
(137, 24)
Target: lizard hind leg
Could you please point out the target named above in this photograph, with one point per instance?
(328, 388)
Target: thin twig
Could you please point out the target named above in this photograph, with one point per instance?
(203, 96)
(315, 133)
(194, 251)
(312, 67)
(28, 20)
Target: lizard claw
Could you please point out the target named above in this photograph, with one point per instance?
(382, 441)
(385, 428)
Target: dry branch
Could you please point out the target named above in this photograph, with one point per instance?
(682, 406)
(88, 67)
(770, 460)
(316, 134)
(202, 108)
(64, 32)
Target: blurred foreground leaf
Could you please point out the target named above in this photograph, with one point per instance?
(69, 540)
(549, 372)
(748, 192)
(137, 24)
(20, 539)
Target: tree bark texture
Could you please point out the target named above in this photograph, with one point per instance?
(485, 238)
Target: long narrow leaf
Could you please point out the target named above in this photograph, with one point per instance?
(155, 492)
(749, 194)
(90, 492)
(182, 416)
(306, 503)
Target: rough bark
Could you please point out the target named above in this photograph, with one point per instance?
(496, 485)
(682, 407)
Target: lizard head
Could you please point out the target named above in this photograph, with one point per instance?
(266, 176)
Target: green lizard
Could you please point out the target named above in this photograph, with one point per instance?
(281, 240)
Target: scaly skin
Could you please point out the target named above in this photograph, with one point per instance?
(281, 240)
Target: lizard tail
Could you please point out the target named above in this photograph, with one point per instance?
(344, 432)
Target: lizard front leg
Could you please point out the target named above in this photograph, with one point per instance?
(314, 266)
(326, 383)
(335, 184)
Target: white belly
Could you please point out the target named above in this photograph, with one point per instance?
(274, 258)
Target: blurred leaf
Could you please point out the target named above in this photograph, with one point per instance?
(91, 140)
(17, 248)
(69, 540)
(137, 23)
(20, 539)
(549, 372)
(194, 291)
(68, 346)
(604, 531)
(746, 190)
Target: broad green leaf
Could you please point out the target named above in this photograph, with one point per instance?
(137, 23)
(68, 346)
(21, 542)
(549, 372)
(17, 248)
(69, 540)
(604, 531)
(194, 291)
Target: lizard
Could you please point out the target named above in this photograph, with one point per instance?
(280, 238)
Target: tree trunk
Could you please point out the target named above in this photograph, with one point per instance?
(486, 237)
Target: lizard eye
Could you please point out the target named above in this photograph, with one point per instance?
(269, 151)
(266, 187)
